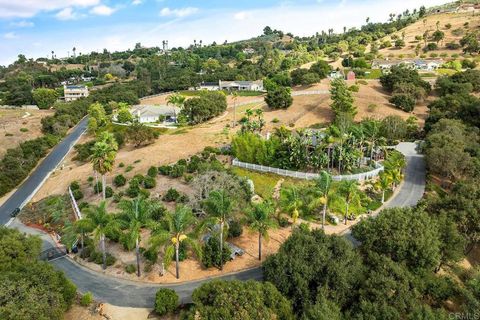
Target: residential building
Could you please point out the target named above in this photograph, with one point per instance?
(72, 93)
(241, 85)
(417, 64)
(152, 114)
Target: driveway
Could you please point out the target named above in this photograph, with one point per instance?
(30, 186)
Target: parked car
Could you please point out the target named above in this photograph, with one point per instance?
(15, 212)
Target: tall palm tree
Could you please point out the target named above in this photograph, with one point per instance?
(103, 156)
(290, 201)
(260, 219)
(234, 97)
(135, 214)
(323, 185)
(348, 190)
(176, 228)
(73, 231)
(100, 222)
(178, 101)
(219, 206)
(383, 183)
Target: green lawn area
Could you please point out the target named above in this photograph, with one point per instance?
(264, 182)
(446, 72)
(373, 74)
(189, 93)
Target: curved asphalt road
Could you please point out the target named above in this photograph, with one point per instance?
(30, 186)
(136, 294)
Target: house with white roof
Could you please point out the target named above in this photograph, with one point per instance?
(153, 113)
(72, 93)
(241, 85)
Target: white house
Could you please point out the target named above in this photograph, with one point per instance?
(428, 65)
(417, 64)
(72, 93)
(241, 85)
(152, 114)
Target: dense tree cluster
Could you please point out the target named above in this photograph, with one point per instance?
(204, 107)
(30, 289)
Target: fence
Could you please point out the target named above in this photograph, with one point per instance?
(306, 175)
(156, 95)
(76, 210)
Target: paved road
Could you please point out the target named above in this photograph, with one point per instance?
(135, 294)
(413, 185)
(30, 186)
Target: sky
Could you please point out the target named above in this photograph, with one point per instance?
(36, 27)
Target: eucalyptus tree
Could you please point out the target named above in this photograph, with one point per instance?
(100, 221)
(260, 219)
(219, 207)
(103, 156)
(135, 215)
(177, 227)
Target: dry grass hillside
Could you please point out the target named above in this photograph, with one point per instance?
(452, 34)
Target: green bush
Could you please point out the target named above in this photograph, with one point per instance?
(77, 194)
(86, 299)
(152, 172)
(211, 253)
(131, 268)
(119, 181)
(354, 88)
(177, 171)
(108, 192)
(403, 101)
(144, 193)
(149, 182)
(151, 255)
(166, 301)
(133, 188)
(164, 170)
(171, 195)
(235, 229)
(74, 185)
(283, 222)
(97, 188)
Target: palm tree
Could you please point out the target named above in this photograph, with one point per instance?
(219, 206)
(135, 215)
(103, 156)
(173, 231)
(260, 219)
(73, 231)
(323, 185)
(383, 183)
(178, 101)
(234, 97)
(291, 201)
(348, 190)
(100, 222)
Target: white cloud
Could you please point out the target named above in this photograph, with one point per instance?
(22, 24)
(29, 8)
(179, 13)
(66, 14)
(242, 15)
(102, 10)
(136, 2)
(10, 35)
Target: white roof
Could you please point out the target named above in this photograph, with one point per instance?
(154, 111)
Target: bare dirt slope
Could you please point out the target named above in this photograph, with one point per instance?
(12, 120)
(457, 21)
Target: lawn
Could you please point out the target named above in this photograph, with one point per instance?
(446, 72)
(264, 182)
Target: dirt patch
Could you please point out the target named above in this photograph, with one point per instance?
(111, 312)
(17, 126)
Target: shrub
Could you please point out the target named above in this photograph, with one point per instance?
(149, 182)
(235, 229)
(177, 171)
(117, 197)
(211, 253)
(354, 88)
(151, 255)
(77, 194)
(183, 199)
(121, 165)
(108, 192)
(129, 168)
(152, 172)
(133, 188)
(164, 170)
(283, 222)
(119, 181)
(131, 268)
(372, 107)
(97, 188)
(171, 195)
(279, 98)
(166, 301)
(86, 299)
(74, 185)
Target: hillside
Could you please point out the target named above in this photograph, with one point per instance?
(452, 24)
